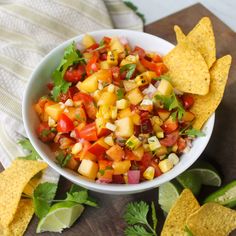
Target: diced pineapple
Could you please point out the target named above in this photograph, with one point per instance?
(146, 147)
(113, 112)
(88, 41)
(96, 95)
(122, 104)
(110, 126)
(133, 143)
(77, 147)
(107, 99)
(121, 167)
(165, 87)
(129, 85)
(136, 119)
(149, 173)
(116, 45)
(134, 96)
(153, 143)
(130, 59)
(112, 58)
(54, 111)
(139, 152)
(124, 127)
(165, 165)
(88, 169)
(103, 112)
(90, 84)
(173, 158)
(105, 65)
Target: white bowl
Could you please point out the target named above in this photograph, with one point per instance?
(36, 88)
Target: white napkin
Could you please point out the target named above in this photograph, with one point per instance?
(29, 29)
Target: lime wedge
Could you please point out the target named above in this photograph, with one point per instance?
(61, 215)
(225, 196)
(168, 193)
(191, 181)
(207, 173)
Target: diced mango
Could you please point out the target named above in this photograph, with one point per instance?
(134, 96)
(90, 84)
(107, 99)
(54, 111)
(116, 45)
(121, 167)
(88, 169)
(130, 59)
(124, 127)
(125, 113)
(139, 152)
(122, 103)
(136, 119)
(88, 41)
(112, 58)
(129, 85)
(105, 65)
(115, 153)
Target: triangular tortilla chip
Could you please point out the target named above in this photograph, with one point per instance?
(12, 183)
(185, 205)
(205, 106)
(202, 36)
(212, 219)
(187, 69)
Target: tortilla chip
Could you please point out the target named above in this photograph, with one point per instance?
(212, 219)
(185, 205)
(205, 106)
(202, 36)
(12, 183)
(180, 36)
(22, 217)
(32, 184)
(188, 69)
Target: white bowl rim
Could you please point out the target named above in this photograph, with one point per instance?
(106, 188)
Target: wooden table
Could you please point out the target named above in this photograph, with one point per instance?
(221, 150)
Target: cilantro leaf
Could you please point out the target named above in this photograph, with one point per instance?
(188, 231)
(165, 77)
(26, 145)
(137, 230)
(194, 132)
(42, 198)
(129, 68)
(154, 216)
(171, 102)
(80, 195)
(120, 94)
(63, 159)
(71, 56)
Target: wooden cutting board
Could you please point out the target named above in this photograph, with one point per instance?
(221, 150)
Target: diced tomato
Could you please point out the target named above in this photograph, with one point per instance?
(93, 47)
(103, 56)
(118, 179)
(106, 40)
(44, 132)
(181, 144)
(159, 68)
(170, 139)
(69, 94)
(188, 101)
(170, 125)
(74, 74)
(50, 86)
(82, 97)
(89, 132)
(115, 70)
(146, 160)
(144, 115)
(64, 124)
(141, 53)
(85, 154)
(156, 167)
(99, 147)
(93, 65)
(137, 130)
(129, 155)
(157, 58)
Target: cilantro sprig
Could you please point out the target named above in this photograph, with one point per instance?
(171, 102)
(165, 77)
(129, 68)
(63, 159)
(136, 217)
(193, 132)
(71, 56)
(31, 152)
(120, 94)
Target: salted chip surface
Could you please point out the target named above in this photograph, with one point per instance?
(185, 205)
(12, 183)
(212, 219)
(188, 69)
(205, 106)
(22, 218)
(202, 36)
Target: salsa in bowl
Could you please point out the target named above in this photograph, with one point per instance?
(110, 118)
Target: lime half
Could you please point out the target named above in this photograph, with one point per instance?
(207, 173)
(191, 181)
(168, 193)
(61, 215)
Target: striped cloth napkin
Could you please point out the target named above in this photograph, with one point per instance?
(29, 29)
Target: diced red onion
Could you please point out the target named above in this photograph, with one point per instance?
(123, 40)
(133, 176)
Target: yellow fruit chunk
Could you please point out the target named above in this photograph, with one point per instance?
(88, 41)
(165, 87)
(116, 45)
(124, 127)
(107, 99)
(54, 111)
(88, 168)
(134, 96)
(89, 85)
(130, 59)
(121, 167)
(149, 173)
(165, 165)
(112, 58)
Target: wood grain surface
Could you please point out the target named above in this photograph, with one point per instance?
(221, 150)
